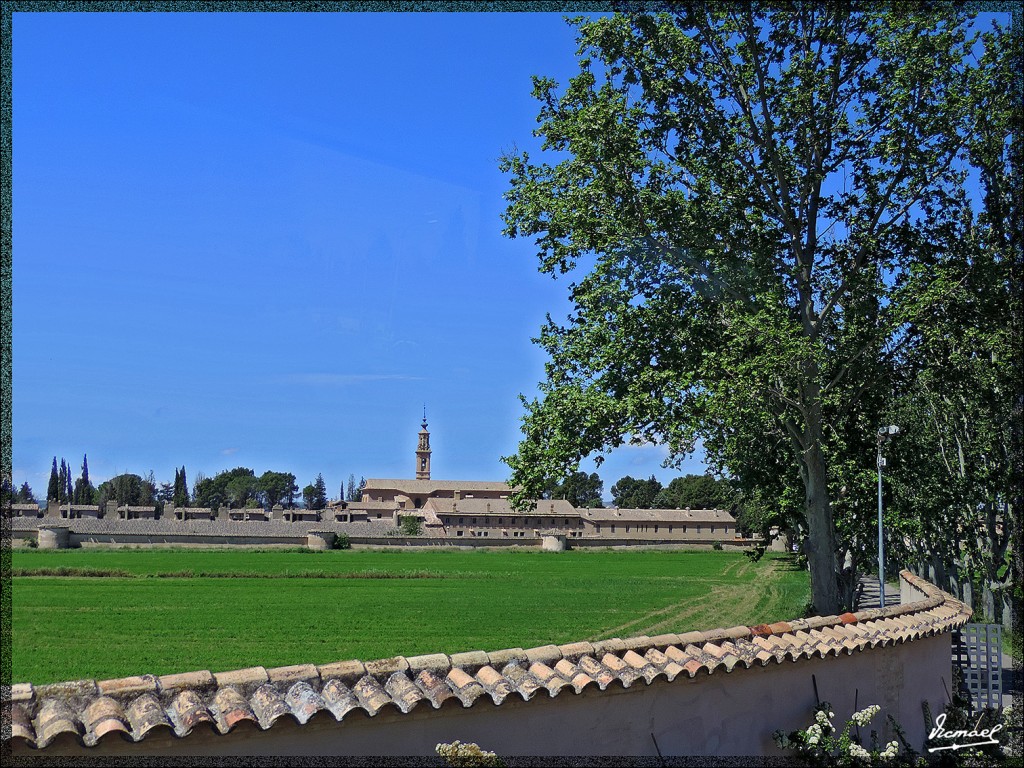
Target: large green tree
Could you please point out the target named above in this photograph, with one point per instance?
(740, 190)
(698, 492)
(579, 489)
(232, 487)
(315, 494)
(635, 493)
(126, 489)
(278, 488)
(957, 476)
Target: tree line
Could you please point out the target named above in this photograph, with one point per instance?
(236, 488)
(688, 491)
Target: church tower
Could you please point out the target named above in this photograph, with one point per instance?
(423, 451)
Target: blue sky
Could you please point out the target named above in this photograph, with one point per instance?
(266, 240)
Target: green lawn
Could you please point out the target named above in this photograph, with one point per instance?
(243, 608)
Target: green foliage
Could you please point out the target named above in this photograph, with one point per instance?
(630, 493)
(698, 492)
(25, 494)
(341, 541)
(53, 488)
(579, 489)
(180, 497)
(410, 525)
(315, 494)
(750, 204)
(718, 547)
(127, 488)
(755, 553)
(231, 488)
(278, 488)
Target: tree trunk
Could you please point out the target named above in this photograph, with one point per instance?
(821, 541)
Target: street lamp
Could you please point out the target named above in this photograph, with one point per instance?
(884, 435)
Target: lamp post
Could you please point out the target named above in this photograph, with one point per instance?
(884, 435)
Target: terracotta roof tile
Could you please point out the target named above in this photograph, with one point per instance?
(146, 714)
(289, 675)
(522, 682)
(690, 638)
(382, 667)
(244, 679)
(499, 659)
(573, 651)
(187, 681)
(470, 660)
(596, 671)
(21, 724)
(466, 688)
(22, 693)
(349, 671)
(497, 687)
(230, 707)
(403, 691)
(339, 698)
(187, 710)
(55, 717)
(545, 654)
(612, 645)
(128, 686)
(268, 705)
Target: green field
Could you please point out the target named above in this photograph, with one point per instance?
(179, 610)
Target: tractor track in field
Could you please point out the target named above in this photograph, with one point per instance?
(727, 599)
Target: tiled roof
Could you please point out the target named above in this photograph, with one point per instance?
(558, 508)
(132, 708)
(431, 486)
(658, 515)
(363, 506)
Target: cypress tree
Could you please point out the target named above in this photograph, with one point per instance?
(69, 487)
(53, 489)
(62, 482)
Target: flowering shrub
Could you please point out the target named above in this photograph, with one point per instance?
(459, 755)
(821, 743)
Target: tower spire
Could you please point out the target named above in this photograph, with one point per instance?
(423, 450)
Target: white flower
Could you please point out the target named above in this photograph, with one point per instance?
(857, 751)
(863, 717)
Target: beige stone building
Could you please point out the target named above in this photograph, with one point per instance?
(473, 509)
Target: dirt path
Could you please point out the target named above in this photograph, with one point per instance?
(725, 605)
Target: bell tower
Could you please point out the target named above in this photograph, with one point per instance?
(423, 451)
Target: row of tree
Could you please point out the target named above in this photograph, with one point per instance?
(798, 224)
(239, 487)
(693, 491)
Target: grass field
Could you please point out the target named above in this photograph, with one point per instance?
(179, 610)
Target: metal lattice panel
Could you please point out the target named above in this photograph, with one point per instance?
(977, 650)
